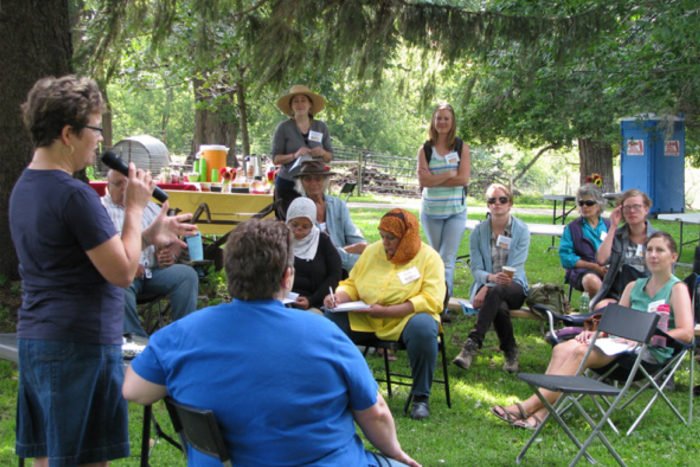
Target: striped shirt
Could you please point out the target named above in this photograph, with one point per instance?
(150, 212)
(440, 202)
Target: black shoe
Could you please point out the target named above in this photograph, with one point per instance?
(445, 318)
(420, 409)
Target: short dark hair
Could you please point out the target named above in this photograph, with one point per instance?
(256, 256)
(53, 103)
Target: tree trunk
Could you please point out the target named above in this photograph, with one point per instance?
(243, 116)
(596, 157)
(36, 43)
(213, 121)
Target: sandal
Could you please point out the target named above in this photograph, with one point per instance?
(509, 417)
(523, 423)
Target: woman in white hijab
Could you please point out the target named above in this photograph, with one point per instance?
(317, 265)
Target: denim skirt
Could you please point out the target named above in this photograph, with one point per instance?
(69, 403)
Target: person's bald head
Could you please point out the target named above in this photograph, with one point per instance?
(116, 183)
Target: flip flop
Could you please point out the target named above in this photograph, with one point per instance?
(523, 423)
(509, 417)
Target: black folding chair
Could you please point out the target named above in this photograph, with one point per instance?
(198, 428)
(619, 321)
(370, 340)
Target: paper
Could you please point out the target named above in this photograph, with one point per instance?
(351, 306)
(612, 345)
(290, 298)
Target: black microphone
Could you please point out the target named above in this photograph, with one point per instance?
(113, 161)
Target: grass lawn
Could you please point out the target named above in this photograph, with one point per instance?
(467, 434)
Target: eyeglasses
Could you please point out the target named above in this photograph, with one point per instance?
(588, 202)
(95, 128)
(632, 207)
(500, 199)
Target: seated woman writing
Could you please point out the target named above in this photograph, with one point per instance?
(623, 248)
(403, 281)
(316, 262)
(643, 294)
(581, 239)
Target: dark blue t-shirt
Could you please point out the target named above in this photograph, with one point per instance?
(54, 220)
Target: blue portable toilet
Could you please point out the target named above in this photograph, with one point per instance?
(653, 159)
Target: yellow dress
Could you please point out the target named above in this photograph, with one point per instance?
(374, 279)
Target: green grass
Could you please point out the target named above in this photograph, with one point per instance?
(467, 434)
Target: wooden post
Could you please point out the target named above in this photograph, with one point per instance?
(359, 173)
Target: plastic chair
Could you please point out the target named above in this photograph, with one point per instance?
(198, 428)
(616, 320)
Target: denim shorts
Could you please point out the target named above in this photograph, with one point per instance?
(69, 403)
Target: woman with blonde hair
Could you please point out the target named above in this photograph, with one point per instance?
(498, 247)
(444, 166)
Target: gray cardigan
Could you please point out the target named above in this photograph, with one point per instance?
(620, 243)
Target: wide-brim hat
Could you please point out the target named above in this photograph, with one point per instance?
(318, 102)
(313, 167)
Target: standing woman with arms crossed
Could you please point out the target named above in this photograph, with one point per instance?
(73, 262)
(444, 165)
(300, 137)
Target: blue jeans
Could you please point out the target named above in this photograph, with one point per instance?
(420, 337)
(178, 281)
(445, 236)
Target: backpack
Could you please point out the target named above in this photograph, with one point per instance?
(428, 151)
(549, 295)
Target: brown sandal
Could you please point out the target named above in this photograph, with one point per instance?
(509, 417)
(523, 423)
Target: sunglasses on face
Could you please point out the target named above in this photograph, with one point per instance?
(588, 202)
(500, 199)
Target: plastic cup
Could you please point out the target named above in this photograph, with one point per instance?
(194, 245)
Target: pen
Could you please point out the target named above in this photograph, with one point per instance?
(330, 289)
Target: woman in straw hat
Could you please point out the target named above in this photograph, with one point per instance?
(297, 139)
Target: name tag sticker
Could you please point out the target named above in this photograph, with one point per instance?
(503, 242)
(315, 136)
(653, 306)
(409, 275)
(452, 158)
(603, 236)
(640, 250)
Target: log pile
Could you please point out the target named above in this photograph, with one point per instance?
(375, 181)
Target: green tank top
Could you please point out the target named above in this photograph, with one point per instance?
(639, 300)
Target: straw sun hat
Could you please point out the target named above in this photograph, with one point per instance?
(318, 102)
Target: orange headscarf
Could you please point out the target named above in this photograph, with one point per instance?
(404, 225)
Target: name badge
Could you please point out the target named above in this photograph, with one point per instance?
(315, 136)
(653, 306)
(452, 158)
(503, 242)
(603, 236)
(409, 275)
(640, 250)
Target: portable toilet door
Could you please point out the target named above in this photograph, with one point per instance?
(653, 160)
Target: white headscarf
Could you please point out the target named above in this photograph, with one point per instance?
(306, 247)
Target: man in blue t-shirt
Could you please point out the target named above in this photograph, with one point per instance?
(286, 386)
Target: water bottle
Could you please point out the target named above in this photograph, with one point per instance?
(585, 302)
(664, 312)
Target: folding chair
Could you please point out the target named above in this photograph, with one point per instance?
(198, 428)
(618, 321)
(347, 189)
(370, 340)
(154, 314)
